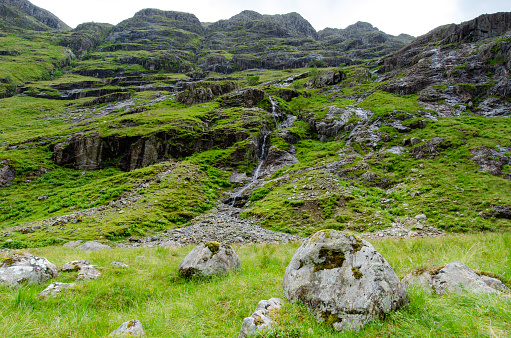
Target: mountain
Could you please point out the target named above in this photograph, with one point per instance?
(13, 18)
(43, 16)
(111, 132)
(456, 68)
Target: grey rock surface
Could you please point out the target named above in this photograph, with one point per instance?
(7, 175)
(73, 244)
(75, 265)
(92, 246)
(456, 278)
(209, 259)
(23, 267)
(132, 328)
(120, 265)
(494, 283)
(261, 319)
(343, 280)
(88, 272)
(55, 288)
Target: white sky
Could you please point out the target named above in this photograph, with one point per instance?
(392, 16)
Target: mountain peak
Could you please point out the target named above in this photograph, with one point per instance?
(40, 14)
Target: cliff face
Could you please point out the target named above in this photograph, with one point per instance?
(41, 15)
(13, 18)
(466, 65)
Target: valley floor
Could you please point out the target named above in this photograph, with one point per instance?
(151, 291)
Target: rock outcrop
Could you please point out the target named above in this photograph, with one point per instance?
(23, 267)
(209, 259)
(40, 14)
(201, 92)
(7, 175)
(75, 265)
(261, 319)
(88, 272)
(454, 278)
(343, 279)
(490, 160)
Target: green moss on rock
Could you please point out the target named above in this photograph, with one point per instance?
(214, 247)
(331, 259)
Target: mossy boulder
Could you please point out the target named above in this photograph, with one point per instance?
(343, 279)
(23, 267)
(209, 259)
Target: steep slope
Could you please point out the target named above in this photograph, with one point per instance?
(40, 14)
(457, 68)
(362, 40)
(11, 18)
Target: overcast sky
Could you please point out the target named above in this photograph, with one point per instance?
(392, 16)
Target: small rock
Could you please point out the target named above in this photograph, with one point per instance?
(93, 246)
(133, 328)
(261, 318)
(456, 278)
(209, 259)
(42, 197)
(75, 265)
(55, 288)
(88, 272)
(73, 244)
(120, 265)
(421, 217)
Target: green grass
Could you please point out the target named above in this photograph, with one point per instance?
(152, 291)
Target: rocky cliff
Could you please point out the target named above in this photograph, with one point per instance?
(40, 14)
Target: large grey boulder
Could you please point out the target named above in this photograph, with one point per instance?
(132, 328)
(454, 278)
(209, 259)
(92, 246)
(261, 319)
(343, 279)
(55, 288)
(7, 175)
(23, 267)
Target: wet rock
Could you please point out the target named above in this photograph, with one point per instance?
(75, 265)
(92, 246)
(88, 272)
(343, 279)
(23, 267)
(329, 78)
(278, 158)
(81, 152)
(248, 97)
(55, 288)
(261, 318)
(501, 211)
(430, 149)
(209, 259)
(489, 160)
(201, 92)
(132, 328)
(7, 176)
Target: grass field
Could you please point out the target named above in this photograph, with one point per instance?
(151, 291)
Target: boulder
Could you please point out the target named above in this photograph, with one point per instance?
(430, 149)
(7, 175)
(88, 272)
(92, 246)
(75, 265)
(209, 259)
(23, 267)
(133, 328)
(457, 278)
(329, 78)
(489, 160)
(72, 244)
(343, 279)
(261, 318)
(453, 278)
(55, 288)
